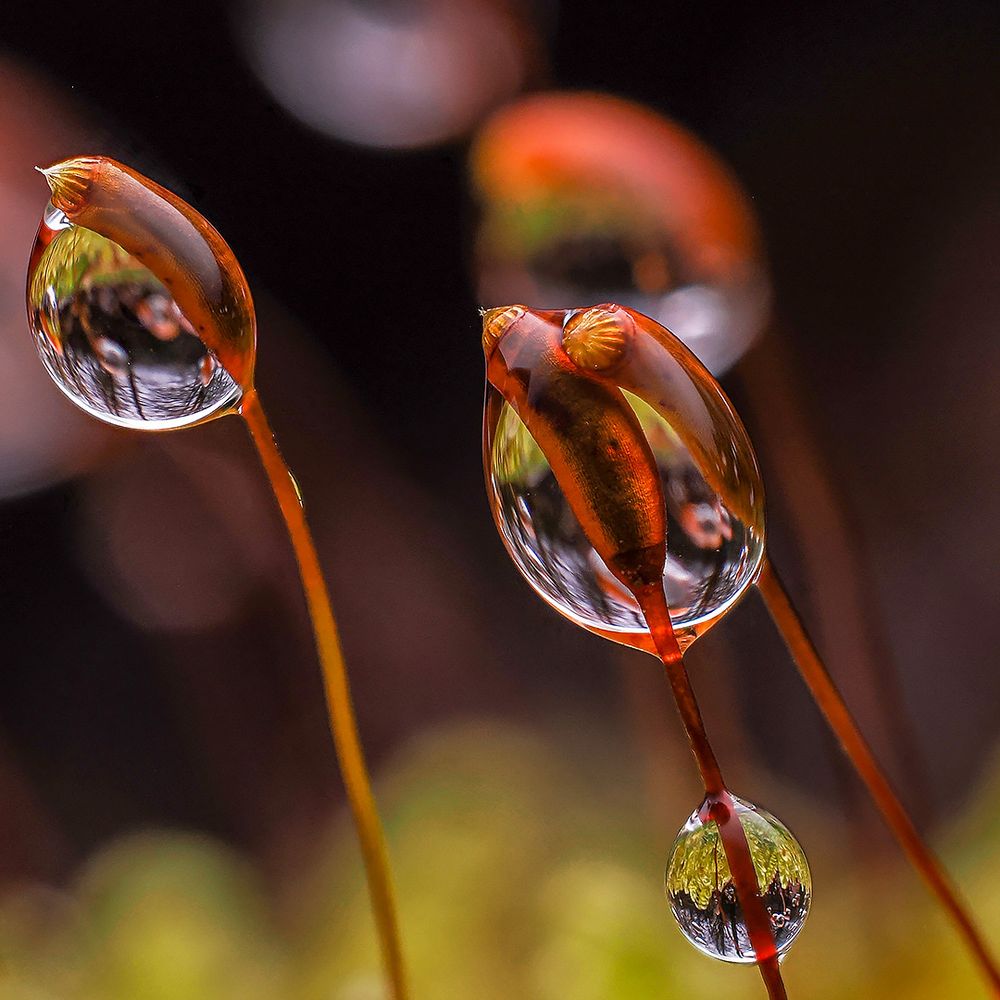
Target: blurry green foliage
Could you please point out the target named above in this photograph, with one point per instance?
(526, 869)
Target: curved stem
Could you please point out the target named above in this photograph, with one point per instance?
(833, 707)
(823, 526)
(719, 806)
(343, 725)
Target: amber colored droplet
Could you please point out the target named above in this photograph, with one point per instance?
(495, 324)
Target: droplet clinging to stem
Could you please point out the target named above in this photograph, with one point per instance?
(702, 894)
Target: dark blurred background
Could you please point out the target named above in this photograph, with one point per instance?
(157, 668)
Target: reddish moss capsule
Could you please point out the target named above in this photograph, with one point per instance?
(141, 312)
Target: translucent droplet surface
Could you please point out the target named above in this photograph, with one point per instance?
(702, 895)
(112, 337)
(586, 197)
(710, 484)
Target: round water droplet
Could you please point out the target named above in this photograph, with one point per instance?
(586, 197)
(709, 477)
(113, 338)
(702, 895)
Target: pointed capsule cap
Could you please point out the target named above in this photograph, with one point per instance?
(496, 322)
(70, 181)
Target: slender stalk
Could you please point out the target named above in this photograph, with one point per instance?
(690, 713)
(822, 521)
(718, 801)
(343, 725)
(833, 707)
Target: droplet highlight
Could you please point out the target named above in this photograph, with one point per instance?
(702, 894)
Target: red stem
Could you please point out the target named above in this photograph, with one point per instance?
(719, 802)
(833, 707)
(340, 710)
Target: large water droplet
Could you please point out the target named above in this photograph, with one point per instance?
(113, 338)
(586, 197)
(702, 895)
(711, 486)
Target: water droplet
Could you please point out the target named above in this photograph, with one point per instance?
(702, 895)
(710, 484)
(113, 338)
(586, 197)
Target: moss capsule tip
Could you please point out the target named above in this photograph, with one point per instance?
(70, 182)
(496, 322)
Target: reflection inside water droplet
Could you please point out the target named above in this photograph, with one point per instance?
(702, 895)
(112, 337)
(712, 555)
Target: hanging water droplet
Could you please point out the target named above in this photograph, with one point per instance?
(710, 484)
(586, 197)
(702, 895)
(112, 337)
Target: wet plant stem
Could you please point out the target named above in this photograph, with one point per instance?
(837, 714)
(719, 806)
(343, 724)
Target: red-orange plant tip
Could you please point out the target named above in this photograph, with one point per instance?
(70, 180)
